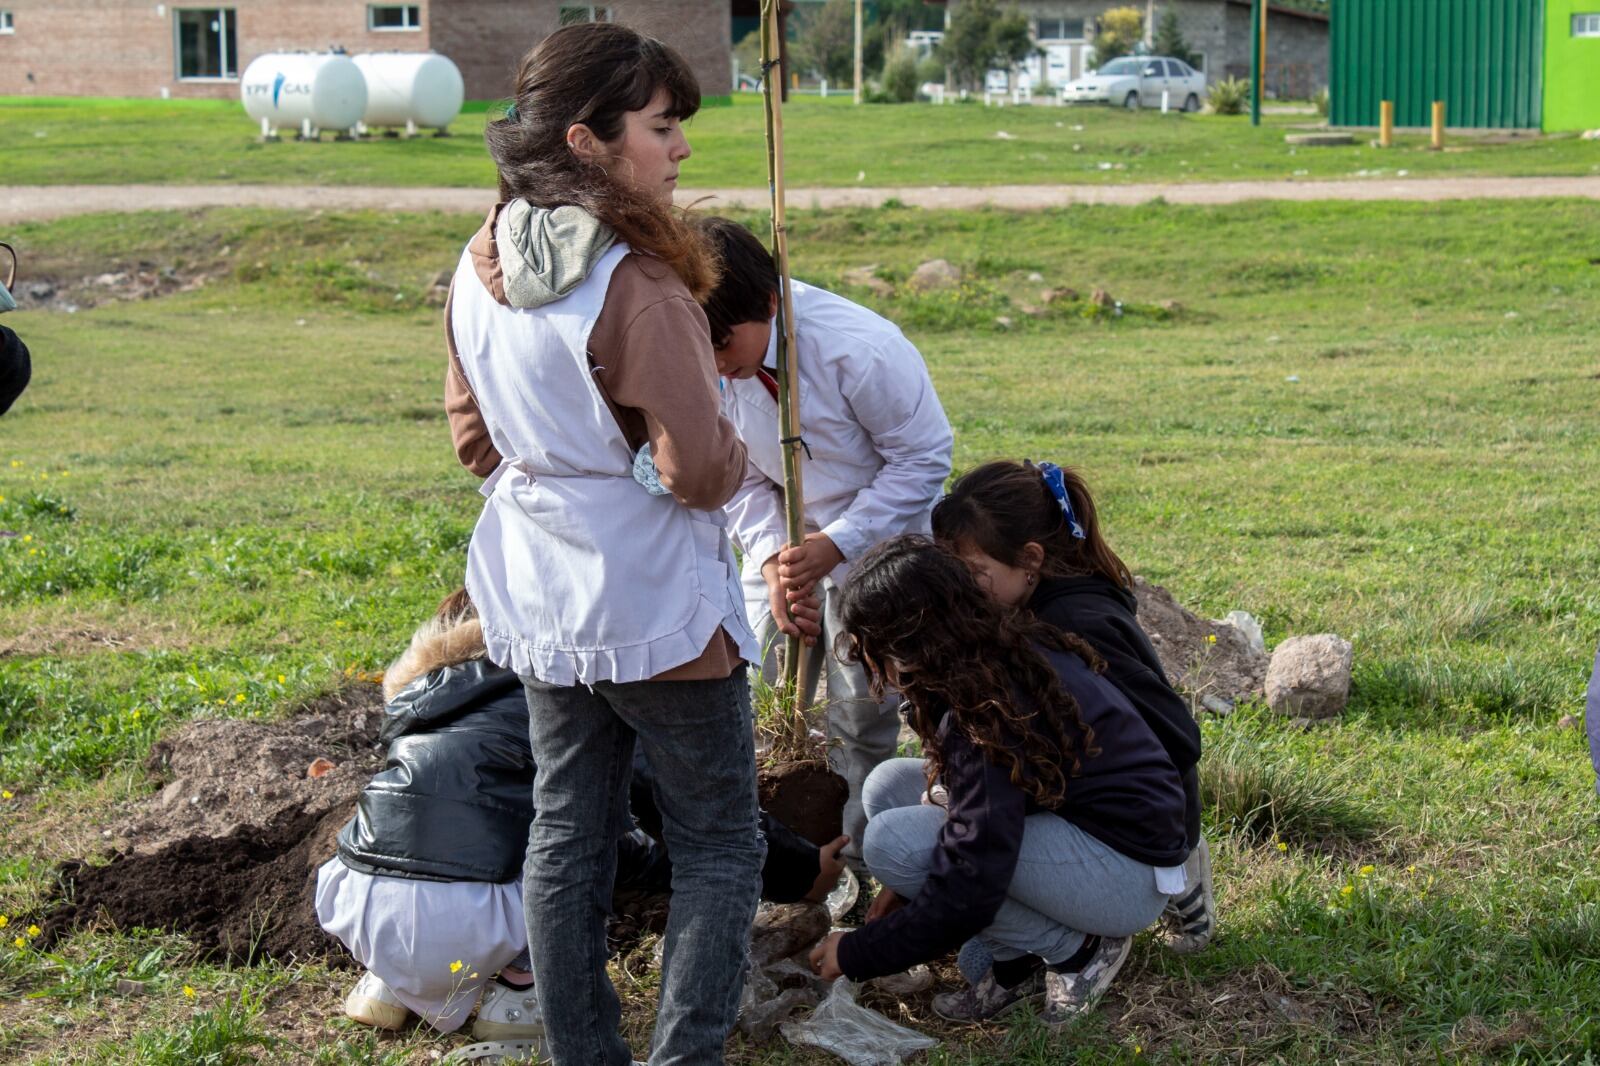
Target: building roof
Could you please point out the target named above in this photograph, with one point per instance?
(1280, 9)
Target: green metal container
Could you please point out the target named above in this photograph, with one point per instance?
(1483, 58)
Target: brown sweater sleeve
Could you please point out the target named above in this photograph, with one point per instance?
(651, 350)
(468, 432)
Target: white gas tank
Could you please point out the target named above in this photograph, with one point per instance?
(291, 88)
(420, 88)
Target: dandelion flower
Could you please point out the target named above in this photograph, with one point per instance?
(27, 538)
(238, 697)
(19, 943)
(1282, 846)
(5, 794)
(188, 992)
(34, 930)
(1347, 889)
(455, 967)
(281, 679)
(134, 714)
(2, 499)
(4, 921)
(1211, 638)
(33, 551)
(1411, 869)
(1366, 871)
(15, 463)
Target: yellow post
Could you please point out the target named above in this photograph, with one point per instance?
(794, 81)
(1438, 125)
(1386, 124)
(1266, 8)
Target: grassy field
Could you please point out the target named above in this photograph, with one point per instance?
(1376, 420)
(829, 143)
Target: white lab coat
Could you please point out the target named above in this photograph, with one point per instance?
(878, 437)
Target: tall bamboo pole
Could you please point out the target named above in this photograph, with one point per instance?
(788, 390)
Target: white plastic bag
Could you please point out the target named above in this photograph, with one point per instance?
(858, 1035)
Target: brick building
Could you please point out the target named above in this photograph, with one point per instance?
(199, 48)
(1216, 31)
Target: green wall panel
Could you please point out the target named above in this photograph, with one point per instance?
(1571, 69)
(1483, 58)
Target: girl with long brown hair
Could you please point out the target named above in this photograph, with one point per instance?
(582, 384)
(1062, 817)
(1032, 535)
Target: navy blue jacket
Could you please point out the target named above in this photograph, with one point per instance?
(1129, 797)
(1104, 614)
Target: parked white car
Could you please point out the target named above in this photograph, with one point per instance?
(1139, 81)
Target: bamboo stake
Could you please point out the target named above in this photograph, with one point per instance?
(788, 391)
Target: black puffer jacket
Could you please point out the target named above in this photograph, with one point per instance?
(15, 368)
(454, 799)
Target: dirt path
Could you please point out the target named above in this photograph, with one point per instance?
(20, 203)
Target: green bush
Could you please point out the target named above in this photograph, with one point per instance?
(1228, 97)
(900, 78)
(930, 68)
(1320, 99)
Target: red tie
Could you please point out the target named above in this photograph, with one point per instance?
(769, 381)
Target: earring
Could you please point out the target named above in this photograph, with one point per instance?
(1030, 579)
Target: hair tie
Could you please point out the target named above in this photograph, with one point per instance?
(1056, 482)
(511, 114)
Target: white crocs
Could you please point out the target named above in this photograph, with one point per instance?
(507, 1013)
(371, 1003)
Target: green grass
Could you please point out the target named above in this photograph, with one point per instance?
(1376, 420)
(828, 143)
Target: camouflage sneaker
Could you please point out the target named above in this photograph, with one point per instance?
(1191, 918)
(987, 999)
(1067, 995)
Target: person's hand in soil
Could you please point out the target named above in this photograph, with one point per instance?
(800, 568)
(825, 957)
(832, 866)
(885, 903)
(807, 612)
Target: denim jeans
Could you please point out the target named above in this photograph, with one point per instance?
(862, 731)
(1066, 883)
(697, 737)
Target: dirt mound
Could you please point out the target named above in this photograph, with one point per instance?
(1201, 657)
(139, 281)
(807, 797)
(223, 774)
(242, 897)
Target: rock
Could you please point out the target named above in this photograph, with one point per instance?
(785, 929)
(1569, 721)
(1051, 296)
(1171, 307)
(1202, 658)
(1034, 275)
(442, 279)
(1216, 705)
(866, 277)
(125, 987)
(109, 280)
(934, 275)
(1309, 677)
(38, 290)
(1003, 321)
(320, 767)
(435, 297)
(1102, 298)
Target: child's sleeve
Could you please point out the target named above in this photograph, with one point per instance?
(892, 398)
(755, 515)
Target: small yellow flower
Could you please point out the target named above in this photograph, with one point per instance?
(5, 794)
(455, 967)
(1366, 871)
(44, 475)
(2, 499)
(281, 679)
(19, 943)
(238, 697)
(34, 930)
(1211, 638)
(1411, 869)
(134, 714)
(33, 551)
(188, 992)
(27, 538)
(66, 473)
(4, 921)
(222, 703)
(15, 463)
(1282, 846)
(1347, 889)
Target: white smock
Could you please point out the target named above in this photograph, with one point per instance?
(579, 574)
(411, 933)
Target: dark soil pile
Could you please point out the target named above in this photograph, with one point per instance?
(241, 898)
(807, 797)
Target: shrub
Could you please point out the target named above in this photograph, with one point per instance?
(1320, 99)
(930, 68)
(1228, 97)
(900, 78)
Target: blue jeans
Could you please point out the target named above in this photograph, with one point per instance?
(697, 737)
(1066, 883)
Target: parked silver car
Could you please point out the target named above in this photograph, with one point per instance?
(1135, 81)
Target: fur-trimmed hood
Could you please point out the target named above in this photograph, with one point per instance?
(435, 645)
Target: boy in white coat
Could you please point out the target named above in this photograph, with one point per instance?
(878, 452)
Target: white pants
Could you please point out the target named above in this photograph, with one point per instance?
(412, 933)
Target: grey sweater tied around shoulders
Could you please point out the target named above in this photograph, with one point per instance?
(545, 253)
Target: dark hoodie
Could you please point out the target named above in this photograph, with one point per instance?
(1105, 616)
(15, 368)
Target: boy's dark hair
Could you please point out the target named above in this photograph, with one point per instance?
(749, 279)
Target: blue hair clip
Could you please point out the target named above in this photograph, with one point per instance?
(1056, 482)
(511, 114)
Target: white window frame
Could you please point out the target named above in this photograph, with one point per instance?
(595, 12)
(407, 26)
(1083, 26)
(225, 16)
(1586, 25)
(7, 22)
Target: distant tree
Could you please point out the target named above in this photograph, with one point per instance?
(1119, 30)
(980, 37)
(1169, 39)
(825, 42)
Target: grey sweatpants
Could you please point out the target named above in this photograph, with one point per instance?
(862, 732)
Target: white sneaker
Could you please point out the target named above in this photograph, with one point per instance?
(507, 1013)
(371, 1002)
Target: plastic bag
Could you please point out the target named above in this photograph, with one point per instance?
(644, 471)
(858, 1035)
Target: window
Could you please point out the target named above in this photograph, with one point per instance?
(394, 17)
(206, 46)
(6, 25)
(1153, 70)
(1586, 25)
(1175, 69)
(1051, 29)
(584, 13)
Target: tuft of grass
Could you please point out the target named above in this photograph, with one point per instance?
(1248, 788)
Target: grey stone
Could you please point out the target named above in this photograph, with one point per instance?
(934, 275)
(1309, 677)
(866, 277)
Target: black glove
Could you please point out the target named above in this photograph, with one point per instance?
(15, 368)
